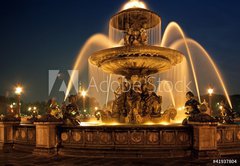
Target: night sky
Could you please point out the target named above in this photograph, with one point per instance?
(40, 35)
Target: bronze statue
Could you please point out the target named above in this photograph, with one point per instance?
(197, 112)
(135, 102)
(191, 105)
(225, 114)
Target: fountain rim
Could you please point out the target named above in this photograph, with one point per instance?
(126, 50)
(132, 10)
(169, 56)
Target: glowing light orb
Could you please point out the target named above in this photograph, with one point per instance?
(18, 90)
(134, 4)
(210, 91)
(83, 93)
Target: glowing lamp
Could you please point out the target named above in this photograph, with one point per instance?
(18, 90)
(210, 91)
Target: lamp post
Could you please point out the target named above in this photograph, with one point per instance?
(210, 93)
(18, 92)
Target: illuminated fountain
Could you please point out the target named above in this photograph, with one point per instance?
(135, 48)
(133, 51)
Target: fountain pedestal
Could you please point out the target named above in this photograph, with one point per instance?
(204, 140)
(7, 135)
(46, 137)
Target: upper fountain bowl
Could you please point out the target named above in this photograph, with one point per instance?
(135, 18)
(138, 60)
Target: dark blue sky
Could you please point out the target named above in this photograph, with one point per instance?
(38, 35)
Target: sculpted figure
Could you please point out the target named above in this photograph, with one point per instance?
(136, 35)
(191, 105)
(119, 108)
(225, 115)
(128, 37)
(71, 114)
(143, 36)
(152, 102)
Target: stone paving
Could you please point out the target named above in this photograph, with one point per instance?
(26, 159)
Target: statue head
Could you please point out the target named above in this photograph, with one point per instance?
(189, 95)
(203, 108)
(134, 78)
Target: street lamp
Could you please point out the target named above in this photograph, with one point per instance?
(18, 92)
(210, 93)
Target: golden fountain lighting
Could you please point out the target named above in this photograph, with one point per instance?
(134, 4)
(210, 91)
(84, 93)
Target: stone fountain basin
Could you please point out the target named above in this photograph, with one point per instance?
(137, 60)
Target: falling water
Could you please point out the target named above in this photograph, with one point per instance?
(204, 59)
(94, 43)
(171, 34)
(166, 91)
(178, 80)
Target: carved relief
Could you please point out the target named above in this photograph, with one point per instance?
(183, 137)
(23, 134)
(105, 138)
(91, 137)
(137, 137)
(64, 136)
(229, 136)
(153, 137)
(121, 138)
(168, 138)
(76, 136)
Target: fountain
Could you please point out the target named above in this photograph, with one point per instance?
(136, 101)
(135, 48)
(139, 119)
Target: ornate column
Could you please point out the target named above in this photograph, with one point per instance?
(46, 137)
(7, 135)
(204, 140)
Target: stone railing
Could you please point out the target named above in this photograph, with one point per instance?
(24, 137)
(130, 141)
(201, 140)
(228, 139)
